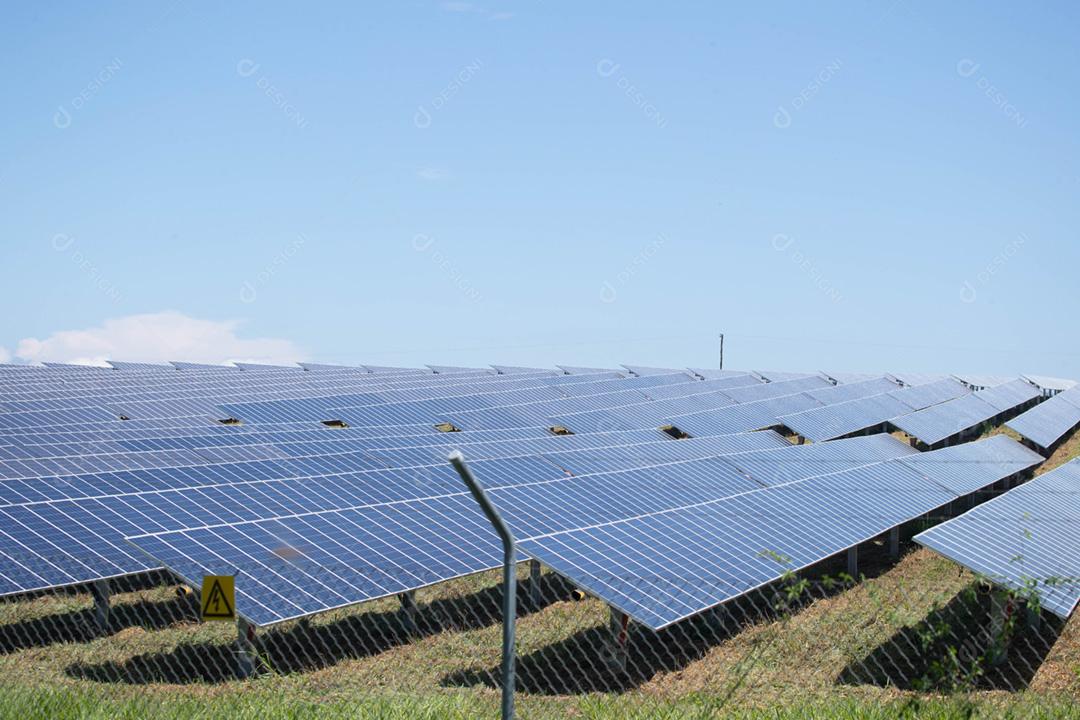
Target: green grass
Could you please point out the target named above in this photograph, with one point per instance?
(71, 704)
(158, 661)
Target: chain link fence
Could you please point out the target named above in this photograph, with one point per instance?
(907, 635)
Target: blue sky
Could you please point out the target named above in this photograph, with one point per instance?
(842, 186)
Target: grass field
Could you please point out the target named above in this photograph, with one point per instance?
(842, 651)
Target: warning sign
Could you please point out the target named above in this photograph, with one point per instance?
(218, 597)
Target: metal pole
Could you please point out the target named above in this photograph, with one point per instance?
(721, 351)
(509, 579)
(100, 592)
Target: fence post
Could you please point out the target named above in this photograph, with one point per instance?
(509, 579)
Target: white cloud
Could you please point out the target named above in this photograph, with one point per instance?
(158, 337)
(5, 356)
(432, 174)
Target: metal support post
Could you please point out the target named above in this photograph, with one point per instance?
(534, 584)
(1034, 617)
(894, 543)
(100, 592)
(853, 561)
(1001, 609)
(509, 579)
(619, 626)
(245, 649)
(408, 611)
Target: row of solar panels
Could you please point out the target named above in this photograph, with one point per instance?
(371, 509)
(1047, 423)
(937, 423)
(659, 542)
(55, 497)
(58, 458)
(954, 417)
(1027, 539)
(104, 475)
(222, 380)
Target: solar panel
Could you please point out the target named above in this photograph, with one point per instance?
(919, 378)
(138, 366)
(321, 367)
(446, 529)
(696, 387)
(644, 371)
(75, 478)
(1047, 423)
(200, 366)
(743, 417)
(849, 377)
(980, 382)
(1027, 539)
(936, 423)
(665, 566)
(1051, 383)
(1009, 395)
(260, 367)
(945, 420)
(315, 406)
(712, 374)
(969, 467)
(845, 418)
(122, 500)
(452, 369)
(780, 376)
(78, 368)
(573, 370)
(517, 370)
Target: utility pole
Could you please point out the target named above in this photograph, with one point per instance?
(721, 351)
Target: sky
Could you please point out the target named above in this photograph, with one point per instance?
(874, 186)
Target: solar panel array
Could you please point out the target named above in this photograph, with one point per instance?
(322, 485)
(940, 422)
(1027, 539)
(1047, 423)
(663, 566)
(861, 414)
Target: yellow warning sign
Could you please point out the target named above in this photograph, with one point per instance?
(218, 597)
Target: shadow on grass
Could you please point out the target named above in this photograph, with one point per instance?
(950, 650)
(81, 625)
(302, 646)
(581, 663)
